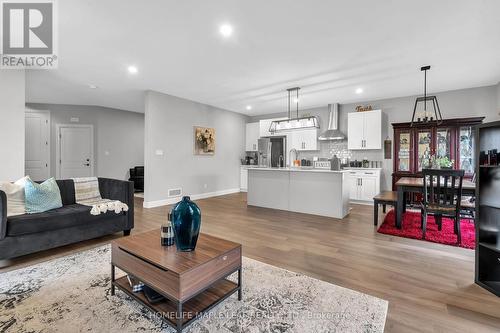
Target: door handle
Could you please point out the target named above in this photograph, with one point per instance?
(87, 164)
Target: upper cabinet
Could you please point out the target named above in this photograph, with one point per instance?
(414, 145)
(364, 130)
(303, 139)
(252, 135)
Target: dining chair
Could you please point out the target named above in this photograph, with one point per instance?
(442, 197)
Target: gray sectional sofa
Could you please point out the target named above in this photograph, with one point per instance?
(29, 233)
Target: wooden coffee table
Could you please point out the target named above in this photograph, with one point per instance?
(191, 282)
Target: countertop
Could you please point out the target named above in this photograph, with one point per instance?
(306, 169)
(361, 169)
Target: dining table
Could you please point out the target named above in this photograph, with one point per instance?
(407, 185)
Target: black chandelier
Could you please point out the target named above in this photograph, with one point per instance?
(427, 116)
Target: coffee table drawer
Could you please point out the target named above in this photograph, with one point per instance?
(201, 277)
(151, 274)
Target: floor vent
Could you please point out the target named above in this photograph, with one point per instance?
(174, 192)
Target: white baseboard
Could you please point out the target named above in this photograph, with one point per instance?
(361, 202)
(170, 201)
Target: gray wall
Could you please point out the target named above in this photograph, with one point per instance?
(118, 136)
(12, 97)
(169, 127)
(481, 101)
(498, 97)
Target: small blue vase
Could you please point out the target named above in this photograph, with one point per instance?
(186, 222)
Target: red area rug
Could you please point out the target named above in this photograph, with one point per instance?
(411, 229)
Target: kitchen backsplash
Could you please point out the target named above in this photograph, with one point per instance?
(339, 148)
(329, 148)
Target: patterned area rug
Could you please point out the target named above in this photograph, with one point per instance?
(72, 294)
(412, 229)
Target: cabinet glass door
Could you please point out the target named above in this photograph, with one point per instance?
(443, 143)
(466, 149)
(424, 148)
(404, 151)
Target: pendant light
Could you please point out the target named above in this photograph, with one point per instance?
(427, 116)
(292, 123)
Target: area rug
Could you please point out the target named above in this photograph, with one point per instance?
(72, 294)
(412, 229)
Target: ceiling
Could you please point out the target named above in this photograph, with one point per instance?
(328, 48)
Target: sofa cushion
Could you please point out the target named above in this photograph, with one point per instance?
(42, 197)
(16, 201)
(59, 218)
(67, 189)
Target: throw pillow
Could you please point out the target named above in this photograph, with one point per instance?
(42, 197)
(15, 196)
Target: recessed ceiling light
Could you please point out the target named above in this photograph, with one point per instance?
(132, 69)
(92, 86)
(249, 107)
(226, 30)
(359, 91)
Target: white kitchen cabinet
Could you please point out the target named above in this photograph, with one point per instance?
(303, 140)
(264, 126)
(364, 130)
(353, 183)
(355, 124)
(364, 184)
(252, 136)
(243, 179)
(368, 188)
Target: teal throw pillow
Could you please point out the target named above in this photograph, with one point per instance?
(42, 197)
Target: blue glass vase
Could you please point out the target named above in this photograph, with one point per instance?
(186, 222)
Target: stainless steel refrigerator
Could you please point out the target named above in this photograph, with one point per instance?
(272, 152)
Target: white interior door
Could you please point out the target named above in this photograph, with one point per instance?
(37, 152)
(76, 151)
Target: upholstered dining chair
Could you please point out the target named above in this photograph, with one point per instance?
(442, 197)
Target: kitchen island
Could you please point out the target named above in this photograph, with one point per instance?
(304, 190)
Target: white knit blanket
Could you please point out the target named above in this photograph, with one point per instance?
(87, 194)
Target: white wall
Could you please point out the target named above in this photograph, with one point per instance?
(117, 132)
(169, 127)
(462, 103)
(12, 99)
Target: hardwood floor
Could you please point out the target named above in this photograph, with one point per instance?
(430, 287)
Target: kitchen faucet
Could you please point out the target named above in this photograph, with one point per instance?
(296, 153)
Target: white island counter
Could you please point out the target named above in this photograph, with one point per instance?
(311, 191)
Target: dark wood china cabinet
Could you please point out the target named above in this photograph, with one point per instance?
(453, 138)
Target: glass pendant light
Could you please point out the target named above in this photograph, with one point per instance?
(292, 123)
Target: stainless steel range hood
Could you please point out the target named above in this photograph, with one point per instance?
(332, 133)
